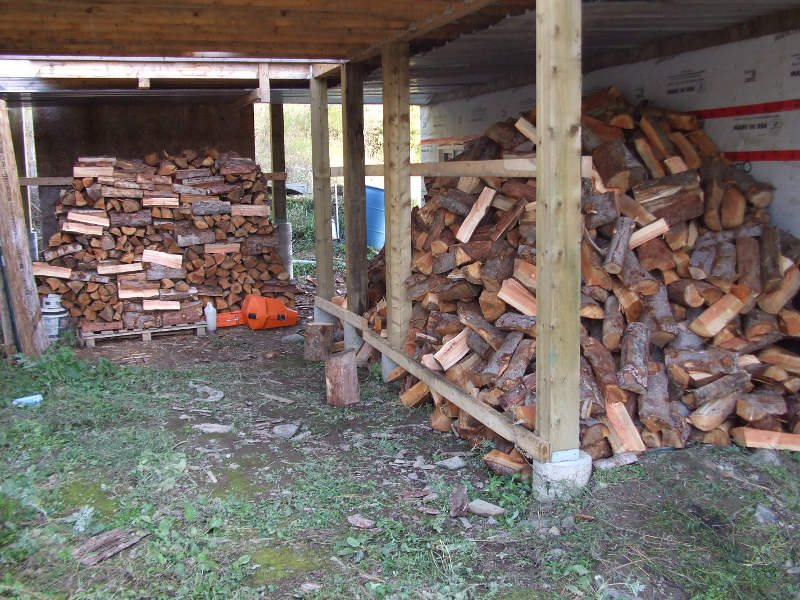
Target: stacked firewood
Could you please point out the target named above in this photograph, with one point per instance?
(686, 291)
(146, 243)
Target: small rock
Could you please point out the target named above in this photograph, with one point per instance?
(207, 394)
(454, 463)
(413, 476)
(233, 466)
(309, 588)
(479, 485)
(568, 523)
(554, 530)
(286, 431)
(765, 515)
(618, 460)
(465, 522)
(555, 553)
(484, 509)
(293, 338)
(793, 571)
(213, 428)
(360, 522)
(430, 498)
(491, 521)
(764, 456)
(458, 501)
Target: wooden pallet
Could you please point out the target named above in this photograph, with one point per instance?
(89, 339)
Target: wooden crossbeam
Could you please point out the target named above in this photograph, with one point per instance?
(527, 441)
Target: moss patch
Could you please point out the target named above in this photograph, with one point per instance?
(282, 563)
(88, 493)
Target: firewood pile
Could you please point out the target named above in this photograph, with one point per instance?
(686, 291)
(146, 243)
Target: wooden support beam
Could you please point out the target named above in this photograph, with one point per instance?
(528, 442)
(51, 181)
(6, 325)
(263, 83)
(558, 221)
(278, 152)
(397, 186)
(505, 167)
(355, 191)
(321, 167)
(23, 298)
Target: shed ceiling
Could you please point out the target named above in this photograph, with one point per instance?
(459, 48)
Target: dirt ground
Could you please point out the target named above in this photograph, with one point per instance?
(353, 504)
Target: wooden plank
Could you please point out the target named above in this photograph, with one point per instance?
(397, 188)
(221, 248)
(41, 269)
(506, 167)
(88, 218)
(750, 437)
(72, 227)
(44, 181)
(250, 210)
(558, 221)
(355, 193)
(80, 172)
(23, 298)
(527, 129)
(113, 269)
(6, 323)
(528, 442)
(161, 305)
(533, 445)
(173, 261)
(154, 201)
(320, 164)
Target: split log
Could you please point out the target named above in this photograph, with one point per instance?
(341, 379)
(318, 341)
(633, 373)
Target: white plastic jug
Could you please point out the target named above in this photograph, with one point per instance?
(54, 316)
(211, 317)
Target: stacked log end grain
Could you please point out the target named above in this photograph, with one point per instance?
(146, 243)
(686, 291)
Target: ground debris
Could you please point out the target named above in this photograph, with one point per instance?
(106, 545)
(213, 428)
(459, 501)
(206, 393)
(360, 521)
(484, 509)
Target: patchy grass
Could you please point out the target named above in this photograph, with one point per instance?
(249, 515)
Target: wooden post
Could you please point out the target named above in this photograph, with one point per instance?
(320, 162)
(278, 151)
(6, 325)
(397, 186)
(355, 193)
(23, 298)
(558, 223)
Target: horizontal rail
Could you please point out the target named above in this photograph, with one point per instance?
(527, 441)
(504, 167)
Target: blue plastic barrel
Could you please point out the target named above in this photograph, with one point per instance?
(376, 220)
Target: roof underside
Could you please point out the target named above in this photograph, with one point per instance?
(458, 48)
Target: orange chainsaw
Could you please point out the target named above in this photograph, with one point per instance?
(259, 312)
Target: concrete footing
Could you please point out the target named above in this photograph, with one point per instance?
(563, 478)
(352, 341)
(320, 316)
(285, 245)
(387, 366)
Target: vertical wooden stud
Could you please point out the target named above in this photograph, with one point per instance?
(278, 152)
(355, 193)
(397, 185)
(320, 162)
(558, 223)
(23, 298)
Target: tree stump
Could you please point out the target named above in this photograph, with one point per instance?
(319, 341)
(341, 379)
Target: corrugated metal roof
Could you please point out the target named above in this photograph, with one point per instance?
(506, 50)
